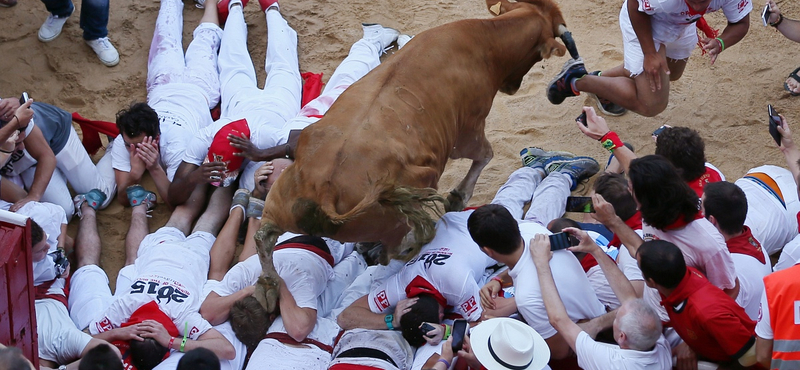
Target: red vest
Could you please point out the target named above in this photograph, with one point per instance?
(783, 299)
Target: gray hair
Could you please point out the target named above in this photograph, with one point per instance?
(641, 325)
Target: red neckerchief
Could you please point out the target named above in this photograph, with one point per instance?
(149, 311)
(702, 25)
(308, 247)
(700, 183)
(681, 222)
(42, 291)
(634, 222)
(421, 286)
(691, 282)
(746, 244)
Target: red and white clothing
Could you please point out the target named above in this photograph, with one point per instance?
(752, 264)
(451, 264)
(603, 356)
(790, 255)
(703, 248)
(181, 89)
(772, 205)
(712, 174)
(673, 24)
(170, 270)
(708, 320)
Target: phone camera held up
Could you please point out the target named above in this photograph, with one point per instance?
(774, 122)
(582, 119)
(24, 98)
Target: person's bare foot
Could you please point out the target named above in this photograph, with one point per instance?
(793, 85)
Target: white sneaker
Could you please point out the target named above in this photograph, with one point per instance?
(402, 40)
(382, 36)
(51, 28)
(105, 51)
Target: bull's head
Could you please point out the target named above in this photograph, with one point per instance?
(550, 10)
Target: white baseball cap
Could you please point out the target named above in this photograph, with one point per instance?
(508, 344)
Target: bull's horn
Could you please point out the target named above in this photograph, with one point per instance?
(566, 37)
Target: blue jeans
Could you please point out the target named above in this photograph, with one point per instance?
(94, 15)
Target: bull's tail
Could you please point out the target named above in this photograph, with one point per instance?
(415, 204)
(268, 283)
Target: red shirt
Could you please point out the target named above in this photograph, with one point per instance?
(708, 320)
(711, 175)
(746, 244)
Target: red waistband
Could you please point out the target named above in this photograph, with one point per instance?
(308, 247)
(341, 366)
(287, 339)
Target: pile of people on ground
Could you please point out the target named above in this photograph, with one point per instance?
(671, 266)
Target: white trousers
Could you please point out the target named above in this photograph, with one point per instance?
(364, 56)
(280, 98)
(74, 165)
(547, 195)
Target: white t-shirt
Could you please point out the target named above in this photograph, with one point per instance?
(628, 264)
(452, 263)
(50, 217)
(172, 274)
(764, 326)
(602, 356)
(576, 292)
(751, 274)
(669, 18)
(703, 248)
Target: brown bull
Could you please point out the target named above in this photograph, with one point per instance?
(368, 170)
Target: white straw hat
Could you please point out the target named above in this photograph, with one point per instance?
(508, 344)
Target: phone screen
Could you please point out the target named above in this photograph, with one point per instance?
(459, 331)
(559, 241)
(24, 98)
(765, 15)
(774, 122)
(579, 204)
(582, 119)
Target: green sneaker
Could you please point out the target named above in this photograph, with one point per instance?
(137, 195)
(94, 199)
(534, 157)
(578, 168)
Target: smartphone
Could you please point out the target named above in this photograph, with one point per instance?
(24, 98)
(774, 122)
(580, 204)
(659, 130)
(582, 119)
(459, 331)
(559, 241)
(426, 328)
(765, 15)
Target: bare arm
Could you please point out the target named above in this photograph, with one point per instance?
(188, 176)
(764, 351)
(604, 213)
(299, 321)
(556, 312)
(216, 309)
(596, 127)
(358, 315)
(39, 149)
(211, 340)
(616, 279)
(788, 27)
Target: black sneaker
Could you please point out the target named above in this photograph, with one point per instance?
(560, 87)
(605, 105)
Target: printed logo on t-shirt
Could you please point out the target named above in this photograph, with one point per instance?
(649, 236)
(437, 257)
(194, 331)
(469, 306)
(104, 325)
(381, 301)
(742, 5)
(760, 312)
(646, 5)
(160, 289)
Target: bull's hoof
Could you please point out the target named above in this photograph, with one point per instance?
(267, 293)
(455, 201)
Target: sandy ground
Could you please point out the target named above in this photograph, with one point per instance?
(725, 102)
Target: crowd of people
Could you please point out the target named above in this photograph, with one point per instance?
(670, 267)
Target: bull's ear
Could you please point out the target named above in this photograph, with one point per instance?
(497, 7)
(550, 47)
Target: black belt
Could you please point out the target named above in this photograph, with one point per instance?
(367, 352)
